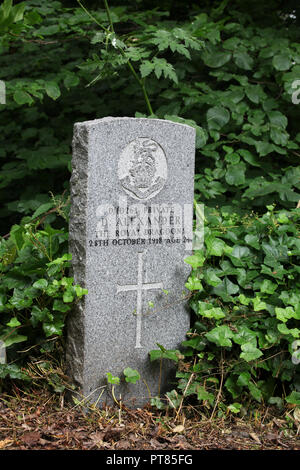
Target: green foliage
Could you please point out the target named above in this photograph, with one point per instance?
(215, 68)
(131, 375)
(35, 292)
(228, 70)
(9, 15)
(163, 353)
(111, 379)
(247, 309)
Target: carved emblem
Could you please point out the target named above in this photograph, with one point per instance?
(142, 168)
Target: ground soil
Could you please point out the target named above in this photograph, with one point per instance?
(41, 420)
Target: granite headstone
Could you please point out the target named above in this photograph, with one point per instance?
(2, 352)
(130, 229)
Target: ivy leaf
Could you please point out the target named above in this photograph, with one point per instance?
(194, 283)
(54, 327)
(284, 314)
(255, 392)
(40, 284)
(80, 291)
(220, 335)
(293, 398)
(294, 332)
(204, 395)
(111, 379)
(216, 246)
(230, 287)
(60, 306)
(68, 296)
(19, 300)
(268, 286)
(13, 371)
(174, 400)
(250, 352)
(235, 408)
(240, 252)
(131, 375)
(195, 261)
(163, 353)
(13, 339)
(211, 278)
(244, 379)
(258, 304)
(215, 313)
(245, 335)
(232, 387)
(157, 403)
(243, 299)
(13, 323)
(38, 315)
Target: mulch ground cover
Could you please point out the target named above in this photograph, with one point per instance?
(39, 420)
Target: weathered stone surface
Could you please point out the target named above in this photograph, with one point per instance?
(2, 352)
(130, 176)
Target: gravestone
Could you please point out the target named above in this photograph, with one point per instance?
(131, 218)
(2, 353)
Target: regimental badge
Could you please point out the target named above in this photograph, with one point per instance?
(143, 168)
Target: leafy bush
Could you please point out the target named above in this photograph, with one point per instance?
(246, 300)
(228, 69)
(225, 69)
(35, 291)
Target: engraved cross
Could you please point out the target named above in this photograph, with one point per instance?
(139, 287)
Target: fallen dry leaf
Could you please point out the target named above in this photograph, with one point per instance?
(112, 434)
(123, 445)
(254, 437)
(31, 438)
(271, 436)
(5, 443)
(132, 437)
(156, 444)
(71, 429)
(297, 414)
(179, 428)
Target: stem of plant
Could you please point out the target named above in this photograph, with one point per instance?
(160, 375)
(138, 79)
(185, 391)
(149, 393)
(142, 85)
(109, 31)
(220, 389)
(93, 18)
(114, 396)
(109, 16)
